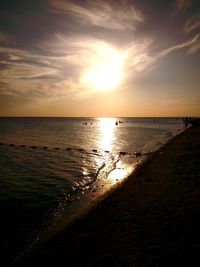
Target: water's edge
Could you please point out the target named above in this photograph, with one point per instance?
(80, 209)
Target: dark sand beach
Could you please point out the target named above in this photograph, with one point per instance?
(152, 219)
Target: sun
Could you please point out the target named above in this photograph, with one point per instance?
(105, 69)
(103, 76)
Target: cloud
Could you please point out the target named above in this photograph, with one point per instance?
(193, 23)
(49, 72)
(52, 66)
(141, 58)
(188, 43)
(55, 70)
(180, 6)
(104, 14)
(194, 47)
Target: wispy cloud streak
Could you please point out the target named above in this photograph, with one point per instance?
(61, 75)
(180, 6)
(105, 14)
(193, 23)
(53, 65)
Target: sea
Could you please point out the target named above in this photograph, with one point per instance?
(53, 169)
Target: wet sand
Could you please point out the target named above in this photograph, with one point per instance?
(152, 219)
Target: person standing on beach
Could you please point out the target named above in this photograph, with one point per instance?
(185, 121)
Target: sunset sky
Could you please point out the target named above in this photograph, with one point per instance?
(99, 58)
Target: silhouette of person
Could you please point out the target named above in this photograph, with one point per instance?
(185, 121)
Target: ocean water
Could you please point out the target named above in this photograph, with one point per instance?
(51, 167)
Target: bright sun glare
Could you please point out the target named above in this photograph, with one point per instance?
(105, 69)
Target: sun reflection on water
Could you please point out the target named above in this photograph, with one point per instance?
(107, 132)
(115, 167)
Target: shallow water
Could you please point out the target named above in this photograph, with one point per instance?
(49, 163)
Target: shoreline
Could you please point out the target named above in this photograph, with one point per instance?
(76, 211)
(47, 233)
(149, 219)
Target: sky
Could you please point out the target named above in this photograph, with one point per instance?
(99, 58)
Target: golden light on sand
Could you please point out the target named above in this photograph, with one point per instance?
(105, 69)
(107, 132)
(122, 170)
(117, 174)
